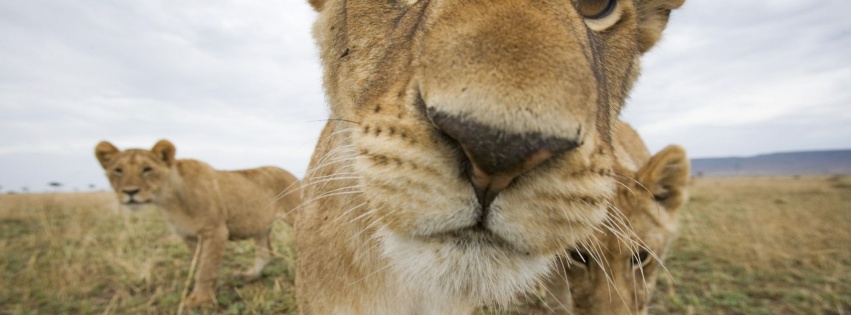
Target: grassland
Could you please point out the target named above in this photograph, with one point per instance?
(80, 254)
(762, 246)
(768, 245)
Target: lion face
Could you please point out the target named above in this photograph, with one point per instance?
(615, 272)
(136, 176)
(477, 132)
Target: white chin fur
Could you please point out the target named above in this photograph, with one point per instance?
(476, 272)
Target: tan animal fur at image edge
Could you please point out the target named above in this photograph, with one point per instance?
(469, 142)
(204, 204)
(615, 272)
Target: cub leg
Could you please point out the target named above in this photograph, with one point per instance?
(212, 247)
(262, 257)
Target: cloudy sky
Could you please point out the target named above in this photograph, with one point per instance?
(237, 83)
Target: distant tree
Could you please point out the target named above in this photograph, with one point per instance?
(92, 186)
(25, 189)
(55, 185)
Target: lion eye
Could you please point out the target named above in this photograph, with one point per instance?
(595, 9)
(147, 170)
(580, 257)
(599, 14)
(641, 258)
(117, 171)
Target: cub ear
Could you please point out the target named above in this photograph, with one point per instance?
(105, 152)
(666, 176)
(165, 151)
(652, 19)
(317, 4)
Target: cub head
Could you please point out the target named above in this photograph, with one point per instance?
(615, 272)
(478, 131)
(136, 175)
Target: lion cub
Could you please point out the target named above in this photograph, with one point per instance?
(203, 205)
(610, 275)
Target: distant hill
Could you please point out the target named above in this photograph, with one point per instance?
(788, 163)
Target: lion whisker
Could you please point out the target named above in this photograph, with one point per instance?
(369, 226)
(558, 299)
(347, 190)
(388, 265)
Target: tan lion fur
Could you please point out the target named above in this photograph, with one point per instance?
(391, 222)
(645, 210)
(203, 204)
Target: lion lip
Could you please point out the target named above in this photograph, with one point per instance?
(476, 234)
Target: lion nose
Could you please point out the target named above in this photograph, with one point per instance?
(130, 191)
(498, 156)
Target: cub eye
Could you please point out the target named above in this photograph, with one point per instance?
(580, 257)
(147, 170)
(641, 258)
(117, 171)
(595, 9)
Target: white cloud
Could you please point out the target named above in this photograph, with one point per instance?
(237, 83)
(731, 75)
(234, 83)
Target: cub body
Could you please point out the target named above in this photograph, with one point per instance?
(204, 206)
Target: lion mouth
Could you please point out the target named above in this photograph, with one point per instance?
(474, 236)
(480, 235)
(136, 204)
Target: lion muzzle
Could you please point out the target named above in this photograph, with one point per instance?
(510, 86)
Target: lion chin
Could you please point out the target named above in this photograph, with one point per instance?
(472, 265)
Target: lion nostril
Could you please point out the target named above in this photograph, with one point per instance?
(130, 191)
(498, 156)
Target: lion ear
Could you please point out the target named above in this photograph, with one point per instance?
(165, 151)
(105, 152)
(317, 4)
(666, 176)
(652, 19)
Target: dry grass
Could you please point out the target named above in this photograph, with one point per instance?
(773, 245)
(766, 245)
(79, 254)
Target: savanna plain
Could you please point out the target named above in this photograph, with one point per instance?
(747, 245)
